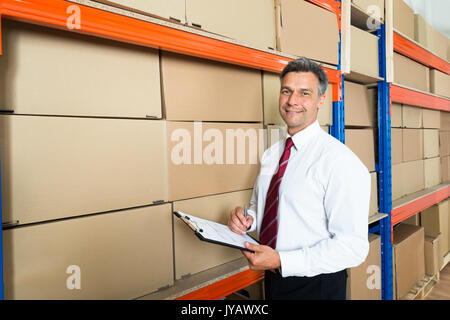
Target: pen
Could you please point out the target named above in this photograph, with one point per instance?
(245, 216)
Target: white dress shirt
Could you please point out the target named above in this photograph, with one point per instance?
(323, 204)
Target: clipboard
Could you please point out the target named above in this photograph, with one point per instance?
(213, 232)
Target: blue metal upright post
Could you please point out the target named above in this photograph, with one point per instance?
(384, 170)
(337, 129)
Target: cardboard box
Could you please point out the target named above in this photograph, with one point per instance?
(366, 6)
(423, 32)
(444, 143)
(403, 17)
(396, 115)
(326, 129)
(295, 19)
(433, 257)
(373, 209)
(412, 117)
(445, 169)
(359, 111)
(196, 89)
(410, 73)
(439, 47)
(430, 143)
(53, 72)
(362, 143)
(407, 178)
(396, 145)
(445, 121)
(364, 281)
(169, 9)
(397, 181)
(363, 52)
(414, 176)
(271, 96)
(58, 167)
(435, 219)
(236, 19)
(414, 220)
(439, 83)
(431, 119)
(274, 133)
(413, 146)
(120, 255)
(210, 158)
(448, 49)
(193, 255)
(432, 169)
(409, 257)
(429, 37)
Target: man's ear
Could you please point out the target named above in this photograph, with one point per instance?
(321, 101)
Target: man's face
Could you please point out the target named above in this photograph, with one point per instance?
(299, 100)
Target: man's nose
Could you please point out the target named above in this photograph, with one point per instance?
(293, 99)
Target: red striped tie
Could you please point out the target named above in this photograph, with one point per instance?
(269, 226)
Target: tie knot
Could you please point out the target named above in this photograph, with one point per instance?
(289, 143)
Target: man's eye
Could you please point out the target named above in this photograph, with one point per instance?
(306, 93)
(285, 91)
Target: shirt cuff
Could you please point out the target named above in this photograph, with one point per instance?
(292, 263)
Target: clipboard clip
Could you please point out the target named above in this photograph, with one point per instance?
(192, 224)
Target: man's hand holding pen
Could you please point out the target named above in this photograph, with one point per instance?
(237, 221)
(264, 257)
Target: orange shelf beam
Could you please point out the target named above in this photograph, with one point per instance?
(54, 13)
(406, 47)
(330, 5)
(225, 287)
(404, 212)
(415, 98)
(408, 210)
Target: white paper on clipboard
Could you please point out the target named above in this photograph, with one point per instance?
(216, 232)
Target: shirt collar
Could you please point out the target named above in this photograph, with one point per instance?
(305, 135)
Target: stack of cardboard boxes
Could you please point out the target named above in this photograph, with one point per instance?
(419, 146)
(79, 144)
(92, 134)
(415, 152)
(360, 130)
(436, 222)
(408, 258)
(420, 246)
(444, 145)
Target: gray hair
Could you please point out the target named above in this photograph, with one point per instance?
(305, 65)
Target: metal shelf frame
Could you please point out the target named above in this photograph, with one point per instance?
(98, 23)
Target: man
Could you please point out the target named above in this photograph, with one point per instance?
(310, 205)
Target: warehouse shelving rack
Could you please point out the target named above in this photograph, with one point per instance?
(412, 204)
(406, 207)
(168, 37)
(181, 39)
